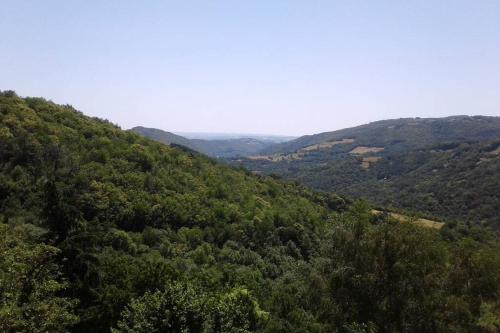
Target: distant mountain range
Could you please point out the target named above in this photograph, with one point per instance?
(226, 136)
(215, 145)
(447, 168)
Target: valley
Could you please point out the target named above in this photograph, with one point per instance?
(422, 166)
(218, 146)
(250, 166)
(122, 228)
(436, 167)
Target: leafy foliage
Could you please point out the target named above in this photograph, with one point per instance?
(182, 308)
(30, 283)
(137, 236)
(447, 169)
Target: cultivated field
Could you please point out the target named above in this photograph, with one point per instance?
(360, 150)
(326, 145)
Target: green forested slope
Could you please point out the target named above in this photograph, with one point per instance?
(403, 134)
(104, 229)
(448, 169)
(215, 148)
(165, 137)
(458, 181)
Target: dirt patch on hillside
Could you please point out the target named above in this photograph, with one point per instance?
(326, 145)
(367, 161)
(360, 150)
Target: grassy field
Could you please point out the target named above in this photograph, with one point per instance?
(420, 221)
(360, 150)
(326, 145)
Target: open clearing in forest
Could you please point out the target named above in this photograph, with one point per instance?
(403, 218)
(326, 145)
(276, 157)
(367, 161)
(360, 150)
(490, 156)
(495, 152)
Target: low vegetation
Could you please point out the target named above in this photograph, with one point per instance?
(416, 220)
(361, 150)
(325, 145)
(367, 161)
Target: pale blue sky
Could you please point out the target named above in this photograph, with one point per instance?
(283, 67)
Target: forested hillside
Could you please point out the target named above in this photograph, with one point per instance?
(165, 137)
(403, 134)
(445, 168)
(215, 148)
(105, 230)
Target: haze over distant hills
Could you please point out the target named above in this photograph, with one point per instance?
(227, 136)
(214, 144)
(448, 168)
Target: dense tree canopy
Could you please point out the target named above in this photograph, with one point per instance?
(446, 168)
(104, 230)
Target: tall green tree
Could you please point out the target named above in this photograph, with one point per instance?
(31, 286)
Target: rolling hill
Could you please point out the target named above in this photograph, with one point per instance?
(104, 230)
(402, 134)
(447, 168)
(225, 148)
(165, 137)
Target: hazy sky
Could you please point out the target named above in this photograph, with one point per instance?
(283, 67)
